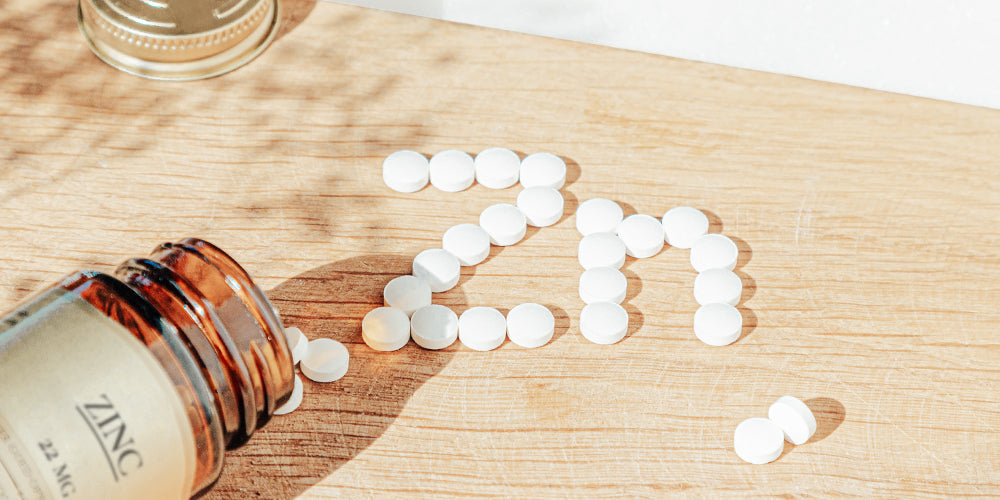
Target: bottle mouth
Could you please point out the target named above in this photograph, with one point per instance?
(228, 324)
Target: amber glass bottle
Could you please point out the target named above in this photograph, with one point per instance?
(134, 385)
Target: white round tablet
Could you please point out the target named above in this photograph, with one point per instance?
(794, 418)
(405, 171)
(482, 328)
(543, 170)
(598, 215)
(758, 440)
(718, 324)
(541, 206)
(452, 171)
(438, 267)
(294, 400)
(505, 224)
(603, 284)
(718, 285)
(434, 327)
(468, 242)
(497, 168)
(385, 329)
(683, 225)
(408, 293)
(642, 235)
(326, 360)
(530, 325)
(297, 343)
(603, 322)
(601, 250)
(714, 251)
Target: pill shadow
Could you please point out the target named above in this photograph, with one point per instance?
(570, 204)
(635, 316)
(749, 286)
(829, 414)
(338, 420)
(746, 253)
(635, 319)
(573, 170)
(749, 322)
(469, 272)
(562, 321)
(714, 221)
(634, 284)
(627, 208)
(528, 234)
(786, 449)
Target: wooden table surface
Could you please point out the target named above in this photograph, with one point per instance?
(869, 227)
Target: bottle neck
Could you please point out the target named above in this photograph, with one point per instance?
(228, 324)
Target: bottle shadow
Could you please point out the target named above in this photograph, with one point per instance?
(338, 420)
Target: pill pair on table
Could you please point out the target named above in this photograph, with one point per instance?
(321, 360)
(761, 440)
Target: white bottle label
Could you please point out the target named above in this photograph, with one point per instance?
(86, 412)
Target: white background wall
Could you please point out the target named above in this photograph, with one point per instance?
(944, 49)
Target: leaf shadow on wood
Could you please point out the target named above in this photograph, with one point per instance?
(293, 12)
(338, 420)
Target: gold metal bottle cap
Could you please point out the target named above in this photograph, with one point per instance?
(178, 39)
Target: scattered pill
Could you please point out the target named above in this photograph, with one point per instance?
(603, 322)
(438, 267)
(434, 327)
(294, 400)
(297, 343)
(683, 225)
(452, 171)
(718, 324)
(497, 168)
(505, 224)
(603, 284)
(408, 293)
(543, 170)
(601, 250)
(385, 329)
(405, 171)
(598, 215)
(482, 328)
(758, 440)
(642, 235)
(714, 251)
(718, 285)
(530, 325)
(541, 206)
(468, 242)
(794, 418)
(326, 360)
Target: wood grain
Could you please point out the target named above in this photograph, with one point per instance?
(868, 222)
